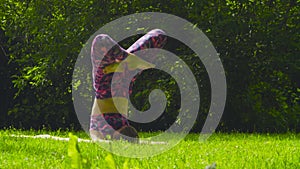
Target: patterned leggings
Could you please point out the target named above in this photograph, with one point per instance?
(114, 121)
(105, 51)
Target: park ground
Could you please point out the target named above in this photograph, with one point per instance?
(234, 150)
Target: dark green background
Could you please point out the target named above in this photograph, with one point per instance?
(258, 42)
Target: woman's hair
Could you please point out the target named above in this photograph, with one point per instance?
(126, 133)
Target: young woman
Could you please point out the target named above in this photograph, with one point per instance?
(109, 59)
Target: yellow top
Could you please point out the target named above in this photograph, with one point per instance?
(133, 63)
(109, 105)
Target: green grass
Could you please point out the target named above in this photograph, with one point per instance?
(226, 150)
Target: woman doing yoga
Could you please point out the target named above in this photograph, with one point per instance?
(108, 60)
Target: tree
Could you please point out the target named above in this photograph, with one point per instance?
(258, 42)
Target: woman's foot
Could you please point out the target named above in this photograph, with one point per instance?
(127, 133)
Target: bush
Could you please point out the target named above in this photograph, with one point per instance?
(258, 44)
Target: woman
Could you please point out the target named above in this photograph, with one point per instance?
(109, 59)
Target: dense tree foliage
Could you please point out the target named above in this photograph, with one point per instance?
(258, 42)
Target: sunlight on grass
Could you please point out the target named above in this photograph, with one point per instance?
(225, 150)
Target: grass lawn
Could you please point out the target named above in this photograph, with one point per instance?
(226, 150)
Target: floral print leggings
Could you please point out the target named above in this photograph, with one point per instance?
(104, 52)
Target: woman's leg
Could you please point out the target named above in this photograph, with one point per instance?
(104, 53)
(154, 39)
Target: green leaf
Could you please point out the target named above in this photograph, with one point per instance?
(125, 165)
(73, 152)
(110, 161)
